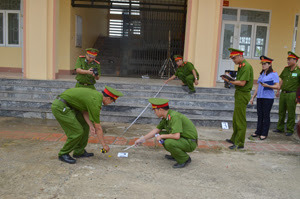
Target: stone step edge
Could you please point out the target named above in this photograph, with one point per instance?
(127, 90)
(191, 117)
(135, 106)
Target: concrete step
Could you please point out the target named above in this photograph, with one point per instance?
(208, 107)
(132, 102)
(137, 109)
(29, 94)
(13, 84)
(108, 116)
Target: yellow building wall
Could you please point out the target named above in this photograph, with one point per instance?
(283, 15)
(202, 38)
(94, 23)
(64, 35)
(40, 19)
(11, 57)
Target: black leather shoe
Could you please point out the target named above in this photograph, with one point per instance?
(235, 147)
(84, 155)
(289, 134)
(169, 157)
(176, 166)
(229, 141)
(277, 131)
(192, 92)
(67, 158)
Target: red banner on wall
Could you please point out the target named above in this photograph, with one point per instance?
(225, 3)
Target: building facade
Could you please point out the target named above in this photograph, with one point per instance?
(43, 38)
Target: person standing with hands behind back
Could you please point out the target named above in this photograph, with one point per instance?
(267, 81)
(290, 81)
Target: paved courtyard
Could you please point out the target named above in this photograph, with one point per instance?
(29, 167)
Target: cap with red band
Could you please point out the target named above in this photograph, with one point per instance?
(235, 52)
(177, 57)
(112, 92)
(293, 55)
(92, 52)
(265, 59)
(158, 102)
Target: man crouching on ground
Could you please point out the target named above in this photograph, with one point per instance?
(179, 135)
(78, 111)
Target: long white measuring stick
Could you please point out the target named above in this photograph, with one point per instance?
(103, 151)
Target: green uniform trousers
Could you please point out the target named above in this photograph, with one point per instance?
(239, 123)
(287, 102)
(85, 86)
(187, 80)
(74, 126)
(178, 148)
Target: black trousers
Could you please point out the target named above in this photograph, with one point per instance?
(264, 107)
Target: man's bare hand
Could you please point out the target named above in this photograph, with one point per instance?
(92, 130)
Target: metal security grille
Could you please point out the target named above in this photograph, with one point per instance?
(142, 35)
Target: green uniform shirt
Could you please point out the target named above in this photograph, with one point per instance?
(245, 73)
(178, 123)
(186, 69)
(85, 99)
(83, 64)
(290, 79)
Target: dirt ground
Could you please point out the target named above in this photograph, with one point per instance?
(30, 169)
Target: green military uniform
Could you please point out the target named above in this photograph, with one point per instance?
(178, 123)
(241, 99)
(71, 119)
(287, 100)
(85, 80)
(185, 74)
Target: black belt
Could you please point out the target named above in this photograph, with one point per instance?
(193, 140)
(64, 101)
(288, 91)
(83, 83)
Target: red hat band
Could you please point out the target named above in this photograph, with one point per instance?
(91, 53)
(235, 53)
(110, 94)
(160, 106)
(178, 58)
(266, 60)
(293, 56)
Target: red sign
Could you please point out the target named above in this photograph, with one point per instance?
(225, 3)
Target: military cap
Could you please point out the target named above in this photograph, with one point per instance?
(235, 52)
(158, 102)
(265, 59)
(113, 93)
(92, 52)
(177, 57)
(293, 55)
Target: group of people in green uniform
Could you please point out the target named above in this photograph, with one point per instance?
(290, 82)
(78, 109)
(78, 112)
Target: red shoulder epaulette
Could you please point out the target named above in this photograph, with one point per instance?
(97, 61)
(81, 56)
(169, 117)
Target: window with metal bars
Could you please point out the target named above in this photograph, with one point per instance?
(116, 25)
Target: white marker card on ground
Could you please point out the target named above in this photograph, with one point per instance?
(225, 125)
(122, 155)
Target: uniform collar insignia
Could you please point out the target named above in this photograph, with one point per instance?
(243, 64)
(169, 117)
